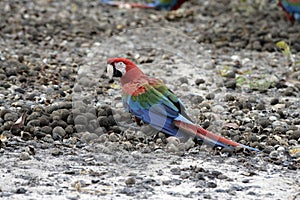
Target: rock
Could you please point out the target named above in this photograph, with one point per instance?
(187, 145)
(184, 175)
(102, 138)
(230, 74)
(264, 122)
(246, 180)
(10, 117)
(199, 81)
(58, 132)
(217, 109)
(81, 120)
(274, 155)
(34, 123)
(173, 140)
(210, 96)
(88, 137)
(130, 181)
(24, 156)
(113, 137)
(21, 190)
(56, 152)
(295, 135)
(47, 130)
(73, 196)
(211, 185)
(196, 99)
(51, 108)
(183, 80)
(44, 121)
(175, 171)
(231, 84)
(274, 101)
(256, 45)
(172, 147)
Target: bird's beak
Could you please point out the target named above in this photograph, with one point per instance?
(110, 71)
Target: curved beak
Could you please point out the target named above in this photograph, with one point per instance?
(110, 71)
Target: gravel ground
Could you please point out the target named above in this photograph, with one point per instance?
(76, 141)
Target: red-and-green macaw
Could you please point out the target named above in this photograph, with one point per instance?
(157, 4)
(150, 101)
(291, 8)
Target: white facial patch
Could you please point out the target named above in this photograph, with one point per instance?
(110, 71)
(121, 67)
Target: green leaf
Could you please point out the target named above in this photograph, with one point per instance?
(241, 80)
(284, 47)
(225, 71)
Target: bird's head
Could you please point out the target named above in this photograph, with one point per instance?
(118, 67)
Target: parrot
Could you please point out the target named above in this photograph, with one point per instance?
(291, 8)
(150, 101)
(157, 4)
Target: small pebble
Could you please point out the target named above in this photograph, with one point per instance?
(24, 156)
(21, 190)
(172, 147)
(173, 140)
(56, 152)
(176, 171)
(199, 81)
(130, 181)
(231, 84)
(211, 185)
(88, 137)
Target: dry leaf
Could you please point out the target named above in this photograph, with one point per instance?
(231, 126)
(3, 138)
(20, 122)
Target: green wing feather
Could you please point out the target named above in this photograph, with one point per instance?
(145, 94)
(163, 89)
(165, 1)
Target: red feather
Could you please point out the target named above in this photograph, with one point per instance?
(202, 133)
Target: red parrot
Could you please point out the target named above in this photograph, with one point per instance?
(157, 4)
(150, 101)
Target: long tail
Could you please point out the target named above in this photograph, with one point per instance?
(210, 137)
(123, 4)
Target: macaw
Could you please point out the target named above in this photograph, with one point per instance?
(150, 101)
(291, 8)
(157, 4)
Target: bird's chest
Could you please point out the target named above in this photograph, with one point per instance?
(126, 102)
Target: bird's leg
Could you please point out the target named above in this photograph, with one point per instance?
(138, 121)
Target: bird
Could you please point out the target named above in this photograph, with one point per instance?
(291, 8)
(157, 4)
(150, 101)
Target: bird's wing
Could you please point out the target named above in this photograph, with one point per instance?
(168, 4)
(164, 90)
(144, 94)
(153, 103)
(157, 4)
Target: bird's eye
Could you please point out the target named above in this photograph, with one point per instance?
(120, 65)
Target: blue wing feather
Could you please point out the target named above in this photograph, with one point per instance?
(161, 5)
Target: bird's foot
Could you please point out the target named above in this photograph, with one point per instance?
(138, 121)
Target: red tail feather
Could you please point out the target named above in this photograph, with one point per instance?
(203, 134)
